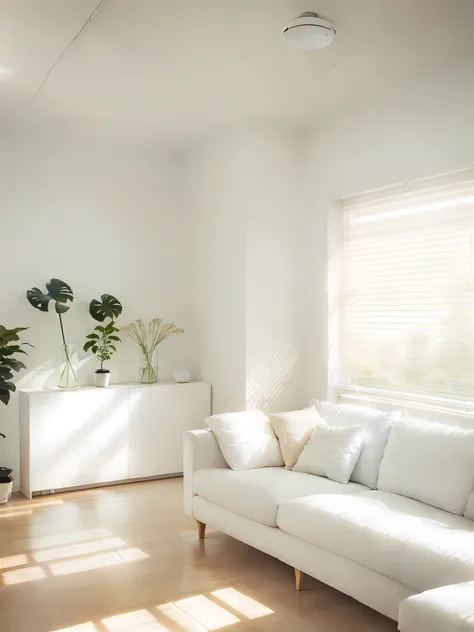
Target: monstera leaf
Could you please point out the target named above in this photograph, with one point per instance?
(108, 307)
(57, 291)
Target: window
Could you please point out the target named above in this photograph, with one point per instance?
(407, 290)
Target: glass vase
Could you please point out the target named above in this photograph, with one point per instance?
(68, 368)
(148, 367)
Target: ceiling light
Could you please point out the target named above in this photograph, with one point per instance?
(309, 32)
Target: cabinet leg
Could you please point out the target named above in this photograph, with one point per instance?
(298, 579)
(201, 529)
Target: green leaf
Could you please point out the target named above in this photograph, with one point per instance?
(95, 348)
(57, 291)
(115, 338)
(108, 307)
(10, 335)
(113, 347)
(100, 328)
(4, 395)
(5, 372)
(8, 351)
(93, 336)
(88, 345)
(13, 364)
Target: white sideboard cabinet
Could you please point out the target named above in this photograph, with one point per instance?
(91, 436)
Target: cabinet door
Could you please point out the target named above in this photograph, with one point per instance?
(78, 437)
(158, 417)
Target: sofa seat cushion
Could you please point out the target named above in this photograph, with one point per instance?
(418, 545)
(446, 609)
(256, 494)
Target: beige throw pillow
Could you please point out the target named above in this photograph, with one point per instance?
(293, 430)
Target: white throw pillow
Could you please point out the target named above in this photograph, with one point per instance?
(293, 430)
(246, 440)
(332, 452)
(430, 462)
(378, 425)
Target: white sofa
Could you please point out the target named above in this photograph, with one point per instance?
(378, 547)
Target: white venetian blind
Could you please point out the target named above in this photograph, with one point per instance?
(407, 316)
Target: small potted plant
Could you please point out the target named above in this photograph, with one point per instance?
(102, 340)
(9, 346)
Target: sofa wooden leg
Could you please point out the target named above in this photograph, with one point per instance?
(298, 579)
(201, 529)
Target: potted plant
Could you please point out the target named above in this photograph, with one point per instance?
(9, 346)
(148, 338)
(59, 293)
(102, 340)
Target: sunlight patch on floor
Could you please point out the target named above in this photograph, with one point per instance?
(83, 548)
(22, 575)
(69, 538)
(27, 509)
(138, 621)
(82, 627)
(69, 559)
(192, 614)
(182, 620)
(91, 562)
(207, 612)
(241, 603)
(13, 560)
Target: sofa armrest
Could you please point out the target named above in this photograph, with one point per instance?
(200, 452)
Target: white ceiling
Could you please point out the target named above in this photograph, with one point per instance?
(175, 70)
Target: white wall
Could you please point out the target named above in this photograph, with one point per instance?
(274, 270)
(212, 184)
(243, 194)
(104, 219)
(413, 130)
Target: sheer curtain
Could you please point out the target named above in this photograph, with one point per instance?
(407, 289)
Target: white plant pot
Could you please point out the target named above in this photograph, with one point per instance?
(5, 491)
(102, 379)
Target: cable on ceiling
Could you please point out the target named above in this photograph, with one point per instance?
(63, 52)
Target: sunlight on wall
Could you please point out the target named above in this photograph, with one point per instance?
(265, 384)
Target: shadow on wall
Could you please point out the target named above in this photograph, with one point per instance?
(269, 382)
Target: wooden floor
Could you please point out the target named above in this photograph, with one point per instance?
(125, 558)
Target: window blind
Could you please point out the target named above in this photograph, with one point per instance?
(407, 317)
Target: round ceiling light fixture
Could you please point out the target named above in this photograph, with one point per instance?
(309, 32)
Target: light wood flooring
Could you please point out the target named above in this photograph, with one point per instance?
(126, 559)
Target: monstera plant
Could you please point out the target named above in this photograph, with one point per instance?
(102, 340)
(60, 295)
